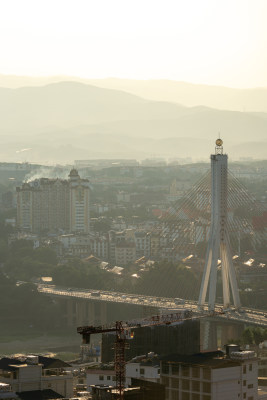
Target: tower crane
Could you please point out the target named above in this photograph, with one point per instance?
(122, 330)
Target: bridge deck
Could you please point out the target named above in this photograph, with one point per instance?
(245, 315)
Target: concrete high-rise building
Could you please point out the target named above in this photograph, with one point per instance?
(183, 338)
(51, 205)
(79, 203)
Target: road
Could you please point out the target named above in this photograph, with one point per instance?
(245, 315)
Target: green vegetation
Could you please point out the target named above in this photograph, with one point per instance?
(23, 307)
(164, 279)
(78, 274)
(251, 335)
(24, 263)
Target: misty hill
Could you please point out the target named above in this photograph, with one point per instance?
(188, 94)
(89, 109)
(64, 121)
(68, 104)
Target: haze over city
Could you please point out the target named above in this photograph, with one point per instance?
(170, 73)
(133, 200)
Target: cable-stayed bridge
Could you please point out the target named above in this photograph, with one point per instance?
(164, 304)
(218, 213)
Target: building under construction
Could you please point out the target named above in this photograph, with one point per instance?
(182, 337)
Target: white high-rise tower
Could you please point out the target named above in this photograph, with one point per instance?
(219, 243)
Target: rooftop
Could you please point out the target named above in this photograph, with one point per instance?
(11, 364)
(213, 359)
(46, 394)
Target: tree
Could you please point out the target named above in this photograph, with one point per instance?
(258, 334)
(247, 336)
(45, 255)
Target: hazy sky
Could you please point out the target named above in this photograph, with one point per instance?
(203, 41)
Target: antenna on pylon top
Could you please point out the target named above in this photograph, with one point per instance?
(219, 145)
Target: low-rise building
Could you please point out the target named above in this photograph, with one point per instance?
(145, 368)
(99, 246)
(74, 245)
(6, 392)
(36, 373)
(144, 390)
(97, 376)
(155, 245)
(125, 253)
(210, 376)
(142, 242)
(262, 356)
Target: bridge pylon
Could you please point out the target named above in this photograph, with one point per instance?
(219, 241)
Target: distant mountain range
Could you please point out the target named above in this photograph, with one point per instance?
(187, 94)
(63, 121)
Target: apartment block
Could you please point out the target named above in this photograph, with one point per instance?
(53, 205)
(210, 376)
(36, 373)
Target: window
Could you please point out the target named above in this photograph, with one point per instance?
(244, 369)
(244, 383)
(165, 368)
(185, 396)
(101, 377)
(175, 395)
(185, 384)
(114, 378)
(244, 395)
(165, 381)
(250, 386)
(175, 383)
(185, 370)
(206, 373)
(175, 369)
(206, 387)
(195, 386)
(195, 396)
(142, 371)
(108, 378)
(206, 397)
(195, 372)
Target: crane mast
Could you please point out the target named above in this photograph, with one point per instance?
(122, 332)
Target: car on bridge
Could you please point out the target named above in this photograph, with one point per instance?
(96, 293)
(179, 301)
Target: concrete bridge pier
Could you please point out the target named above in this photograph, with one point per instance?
(216, 333)
(70, 312)
(81, 313)
(103, 312)
(86, 312)
(209, 341)
(90, 313)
